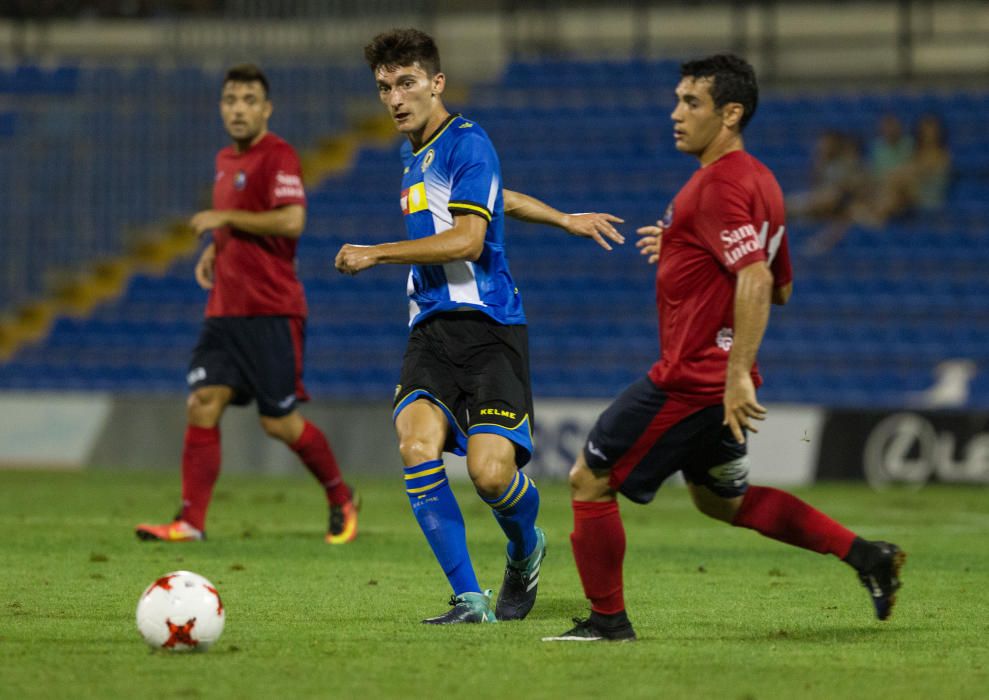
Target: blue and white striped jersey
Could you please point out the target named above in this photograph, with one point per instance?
(457, 172)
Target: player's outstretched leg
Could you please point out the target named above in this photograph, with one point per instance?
(515, 510)
(436, 509)
(784, 517)
(200, 470)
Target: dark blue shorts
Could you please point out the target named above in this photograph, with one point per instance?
(645, 436)
(259, 357)
(477, 371)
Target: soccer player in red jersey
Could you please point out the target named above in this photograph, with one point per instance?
(723, 258)
(251, 345)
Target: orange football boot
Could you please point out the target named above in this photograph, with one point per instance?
(176, 531)
(343, 520)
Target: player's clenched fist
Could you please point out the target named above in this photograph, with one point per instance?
(353, 258)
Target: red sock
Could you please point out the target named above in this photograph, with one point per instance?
(315, 453)
(786, 518)
(598, 541)
(200, 468)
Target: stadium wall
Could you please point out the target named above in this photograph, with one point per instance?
(798, 445)
(795, 40)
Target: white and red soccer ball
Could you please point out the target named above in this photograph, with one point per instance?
(180, 611)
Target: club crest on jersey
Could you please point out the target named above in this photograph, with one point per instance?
(240, 180)
(428, 160)
(667, 216)
(725, 338)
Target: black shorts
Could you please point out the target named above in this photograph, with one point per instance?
(645, 436)
(259, 357)
(477, 371)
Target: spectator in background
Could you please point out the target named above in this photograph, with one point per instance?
(920, 184)
(838, 181)
(836, 178)
(931, 165)
(891, 149)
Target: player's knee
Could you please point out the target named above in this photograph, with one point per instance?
(204, 407)
(492, 478)
(276, 428)
(714, 506)
(585, 485)
(415, 449)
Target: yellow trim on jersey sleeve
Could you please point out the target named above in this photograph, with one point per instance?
(472, 208)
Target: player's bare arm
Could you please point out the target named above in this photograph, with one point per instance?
(204, 266)
(650, 241)
(593, 225)
(781, 295)
(753, 290)
(465, 241)
(288, 221)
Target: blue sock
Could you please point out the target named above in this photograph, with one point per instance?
(516, 510)
(436, 509)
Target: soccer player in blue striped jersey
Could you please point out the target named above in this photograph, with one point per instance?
(464, 385)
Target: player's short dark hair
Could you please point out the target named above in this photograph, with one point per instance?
(403, 47)
(732, 80)
(246, 73)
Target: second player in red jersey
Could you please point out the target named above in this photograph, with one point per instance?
(251, 347)
(255, 275)
(722, 254)
(728, 216)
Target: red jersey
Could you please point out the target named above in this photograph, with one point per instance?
(728, 216)
(255, 275)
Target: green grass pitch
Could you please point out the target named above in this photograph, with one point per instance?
(721, 612)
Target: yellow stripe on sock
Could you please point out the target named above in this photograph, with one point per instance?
(427, 472)
(525, 487)
(511, 492)
(430, 487)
